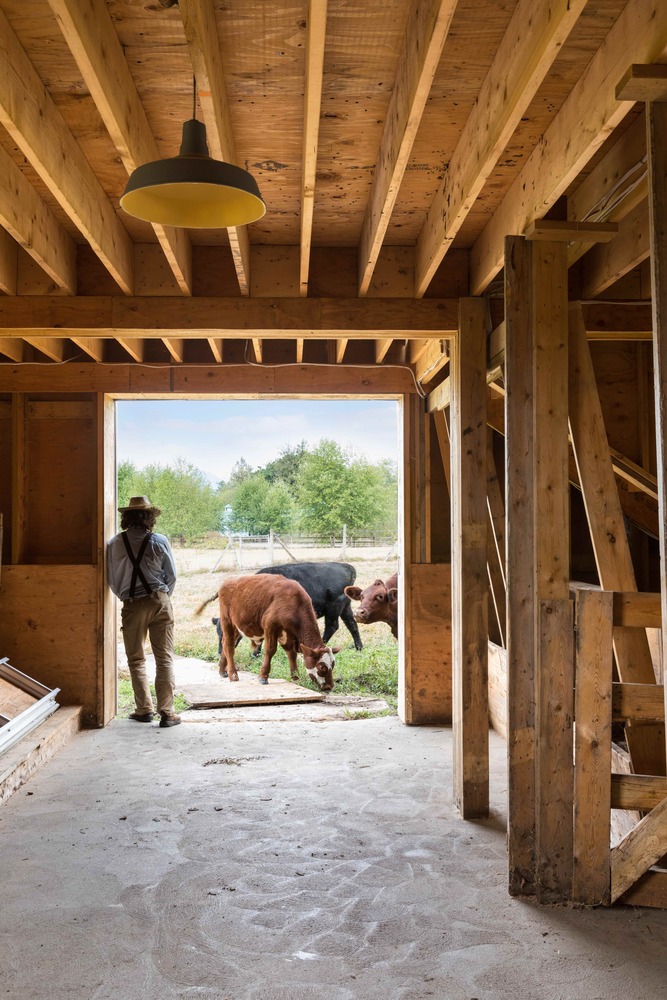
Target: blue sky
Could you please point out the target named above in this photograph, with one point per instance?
(214, 434)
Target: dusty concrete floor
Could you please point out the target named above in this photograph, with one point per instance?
(286, 861)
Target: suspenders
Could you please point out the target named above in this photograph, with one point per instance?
(136, 560)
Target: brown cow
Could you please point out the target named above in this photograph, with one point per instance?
(378, 603)
(276, 610)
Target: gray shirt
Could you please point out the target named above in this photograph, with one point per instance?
(157, 564)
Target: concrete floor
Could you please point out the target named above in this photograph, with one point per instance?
(286, 861)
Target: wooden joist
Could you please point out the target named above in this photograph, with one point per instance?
(36, 125)
(569, 230)
(586, 119)
(637, 791)
(94, 43)
(315, 37)
(532, 41)
(643, 702)
(201, 33)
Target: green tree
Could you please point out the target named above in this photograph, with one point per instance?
(334, 488)
(259, 506)
(286, 467)
(127, 474)
(189, 504)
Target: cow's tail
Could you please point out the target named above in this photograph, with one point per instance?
(209, 601)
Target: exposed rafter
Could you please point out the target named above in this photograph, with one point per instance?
(36, 125)
(422, 47)
(202, 36)
(92, 40)
(530, 45)
(317, 26)
(34, 227)
(587, 117)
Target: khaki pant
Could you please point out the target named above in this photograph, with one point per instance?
(152, 616)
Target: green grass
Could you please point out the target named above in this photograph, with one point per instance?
(126, 699)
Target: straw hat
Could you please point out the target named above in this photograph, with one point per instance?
(140, 503)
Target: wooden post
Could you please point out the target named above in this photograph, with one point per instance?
(19, 478)
(539, 614)
(656, 143)
(591, 880)
(106, 520)
(470, 711)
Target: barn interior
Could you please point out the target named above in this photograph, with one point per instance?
(466, 211)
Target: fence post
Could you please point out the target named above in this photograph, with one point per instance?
(343, 550)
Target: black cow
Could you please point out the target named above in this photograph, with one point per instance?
(325, 584)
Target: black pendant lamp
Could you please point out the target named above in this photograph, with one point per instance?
(191, 190)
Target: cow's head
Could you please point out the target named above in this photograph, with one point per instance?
(320, 664)
(377, 603)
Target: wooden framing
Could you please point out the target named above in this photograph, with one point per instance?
(469, 554)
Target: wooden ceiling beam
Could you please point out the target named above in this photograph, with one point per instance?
(37, 127)
(201, 32)
(381, 350)
(135, 347)
(215, 343)
(431, 361)
(91, 38)
(526, 52)
(315, 37)
(34, 227)
(425, 36)
(175, 346)
(607, 263)
(93, 348)
(53, 347)
(160, 316)
(586, 119)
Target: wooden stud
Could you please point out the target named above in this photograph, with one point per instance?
(566, 231)
(592, 773)
(106, 528)
(640, 849)
(315, 36)
(656, 143)
(470, 711)
(520, 535)
(19, 477)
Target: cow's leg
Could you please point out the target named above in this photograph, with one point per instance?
(348, 618)
(290, 649)
(330, 622)
(270, 646)
(256, 647)
(229, 637)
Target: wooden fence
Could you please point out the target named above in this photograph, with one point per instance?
(626, 872)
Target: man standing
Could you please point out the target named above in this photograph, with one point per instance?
(142, 574)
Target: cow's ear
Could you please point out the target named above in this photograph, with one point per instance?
(336, 649)
(354, 593)
(306, 650)
(379, 583)
(392, 595)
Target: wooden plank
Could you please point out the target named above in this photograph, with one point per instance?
(554, 764)
(341, 345)
(643, 83)
(587, 117)
(428, 26)
(53, 347)
(93, 41)
(430, 626)
(650, 890)
(201, 33)
(496, 542)
(36, 125)
(218, 693)
(637, 791)
(19, 474)
(215, 343)
(568, 230)
(610, 543)
(520, 534)
(315, 36)
(634, 474)
(656, 144)
(29, 754)
(107, 503)
(175, 346)
(592, 772)
(523, 58)
(160, 316)
(134, 346)
(498, 689)
(93, 348)
(381, 349)
(34, 227)
(470, 712)
(640, 849)
(637, 610)
(645, 702)
(11, 348)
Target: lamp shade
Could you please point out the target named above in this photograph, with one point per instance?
(191, 190)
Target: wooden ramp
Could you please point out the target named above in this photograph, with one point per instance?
(221, 693)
